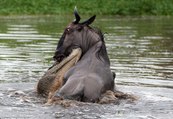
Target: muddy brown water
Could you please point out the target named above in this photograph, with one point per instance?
(141, 54)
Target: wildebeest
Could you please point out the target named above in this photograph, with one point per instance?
(91, 76)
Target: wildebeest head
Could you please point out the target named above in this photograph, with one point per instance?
(76, 35)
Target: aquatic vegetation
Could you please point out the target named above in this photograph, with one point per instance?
(102, 7)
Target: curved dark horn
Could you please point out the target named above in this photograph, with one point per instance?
(89, 21)
(76, 16)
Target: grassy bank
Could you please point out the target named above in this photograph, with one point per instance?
(102, 7)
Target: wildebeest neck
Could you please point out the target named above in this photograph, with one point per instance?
(89, 39)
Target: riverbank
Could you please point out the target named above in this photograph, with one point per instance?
(99, 7)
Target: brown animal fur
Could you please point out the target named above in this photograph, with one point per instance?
(106, 98)
(114, 96)
(53, 78)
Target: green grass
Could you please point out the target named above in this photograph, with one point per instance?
(99, 7)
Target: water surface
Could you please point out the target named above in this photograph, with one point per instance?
(141, 54)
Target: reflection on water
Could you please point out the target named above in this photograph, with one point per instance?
(140, 49)
(23, 52)
(142, 54)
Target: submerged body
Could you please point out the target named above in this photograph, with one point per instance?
(89, 78)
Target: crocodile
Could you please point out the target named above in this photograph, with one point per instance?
(53, 78)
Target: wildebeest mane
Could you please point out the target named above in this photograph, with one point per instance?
(102, 51)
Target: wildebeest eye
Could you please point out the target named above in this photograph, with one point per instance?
(68, 29)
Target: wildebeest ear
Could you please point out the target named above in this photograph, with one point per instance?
(77, 17)
(89, 21)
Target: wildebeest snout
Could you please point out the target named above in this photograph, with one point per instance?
(59, 55)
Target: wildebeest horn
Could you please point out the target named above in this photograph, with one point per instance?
(77, 17)
(89, 21)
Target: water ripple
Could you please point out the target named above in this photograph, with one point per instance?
(138, 57)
